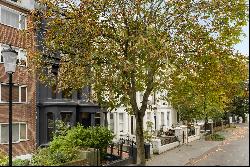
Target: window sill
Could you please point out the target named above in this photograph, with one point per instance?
(23, 140)
(13, 26)
(16, 65)
(14, 102)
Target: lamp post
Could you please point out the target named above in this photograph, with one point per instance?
(10, 58)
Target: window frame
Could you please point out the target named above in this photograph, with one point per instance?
(149, 116)
(168, 118)
(111, 122)
(48, 138)
(19, 94)
(19, 125)
(121, 122)
(98, 117)
(26, 130)
(162, 119)
(20, 14)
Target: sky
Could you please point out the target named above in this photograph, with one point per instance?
(243, 47)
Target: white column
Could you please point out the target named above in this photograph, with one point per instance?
(117, 124)
(108, 120)
(165, 120)
(129, 124)
(230, 120)
(170, 118)
(158, 120)
(114, 123)
(126, 128)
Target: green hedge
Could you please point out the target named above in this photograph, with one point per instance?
(214, 137)
(66, 148)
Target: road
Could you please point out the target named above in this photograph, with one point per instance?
(234, 151)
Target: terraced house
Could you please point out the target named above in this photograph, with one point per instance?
(14, 24)
(36, 107)
(160, 114)
(55, 105)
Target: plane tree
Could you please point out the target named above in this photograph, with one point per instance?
(121, 47)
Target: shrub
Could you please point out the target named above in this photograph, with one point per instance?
(4, 160)
(92, 137)
(60, 128)
(214, 137)
(54, 156)
(65, 148)
(232, 126)
(20, 162)
(147, 136)
(42, 158)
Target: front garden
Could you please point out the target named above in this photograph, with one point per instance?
(70, 146)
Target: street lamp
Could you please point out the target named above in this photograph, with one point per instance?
(10, 58)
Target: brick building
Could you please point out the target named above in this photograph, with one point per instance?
(14, 19)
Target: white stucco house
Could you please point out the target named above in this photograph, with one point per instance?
(159, 112)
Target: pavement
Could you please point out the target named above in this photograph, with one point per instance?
(234, 151)
(188, 154)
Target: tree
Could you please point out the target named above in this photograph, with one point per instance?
(239, 104)
(121, 47)
(204, 90)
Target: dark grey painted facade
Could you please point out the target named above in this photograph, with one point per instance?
(71, 110)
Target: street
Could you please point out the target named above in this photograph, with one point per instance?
(234, 151)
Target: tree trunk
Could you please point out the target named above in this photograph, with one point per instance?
(212, 128)
(206, 122)
(140, 139)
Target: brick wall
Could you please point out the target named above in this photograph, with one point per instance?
(25, 112)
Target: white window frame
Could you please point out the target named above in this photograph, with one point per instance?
(19, 125)
(149, 116)
(19, 17)
(111, 125)
(163, 119)
(26, 135)
(121, 122)
(19, 93)
(19, 50)
(168, 118)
